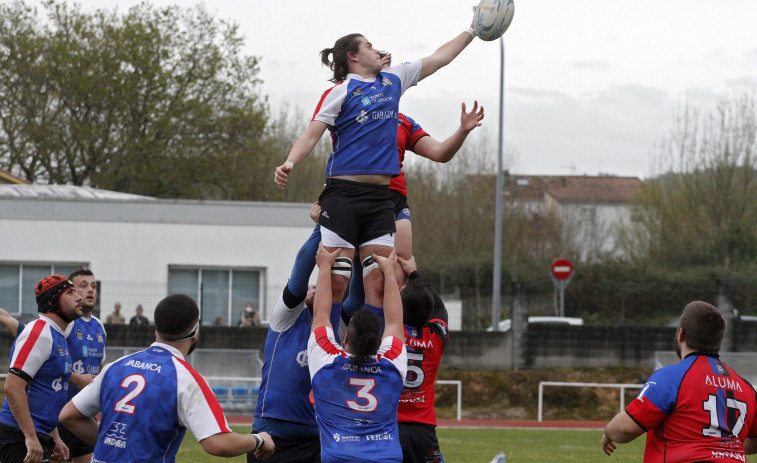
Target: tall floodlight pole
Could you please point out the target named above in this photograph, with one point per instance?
(497, 284)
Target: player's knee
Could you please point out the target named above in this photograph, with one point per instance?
(369, 264)
(342, 267)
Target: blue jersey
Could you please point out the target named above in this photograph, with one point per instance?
(148, 400)
(285, 386)
(356, 406)
(86, 343)
(362, 115)
(40, 356)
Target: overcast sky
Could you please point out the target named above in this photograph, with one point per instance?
(590, 85)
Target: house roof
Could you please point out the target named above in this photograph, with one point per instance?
(573, 188)
(7, 177)
(64, 192)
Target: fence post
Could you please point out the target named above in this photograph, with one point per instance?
(724, 303)
(519, 323)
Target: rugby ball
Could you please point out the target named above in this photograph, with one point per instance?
(492, 18)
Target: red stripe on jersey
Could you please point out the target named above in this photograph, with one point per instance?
(322, 338)
(394, 351)
(323, 97)
(23, 355)
(210, 398)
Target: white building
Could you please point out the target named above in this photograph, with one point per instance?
(222, 253)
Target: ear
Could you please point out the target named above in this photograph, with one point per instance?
(680, 336)
(351, 56)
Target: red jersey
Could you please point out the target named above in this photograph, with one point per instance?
(408, 133)
(424, 354)
(696, 410)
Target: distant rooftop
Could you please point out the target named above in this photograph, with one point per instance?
(65, 192)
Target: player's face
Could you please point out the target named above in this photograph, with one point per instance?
(70, 303)
(367, 56)
(86, 286)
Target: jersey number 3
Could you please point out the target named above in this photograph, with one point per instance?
(123, 405)
(365, 384)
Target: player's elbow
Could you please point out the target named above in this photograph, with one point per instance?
(213, 446)
(750, 445)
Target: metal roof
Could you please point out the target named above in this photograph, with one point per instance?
(65, 192)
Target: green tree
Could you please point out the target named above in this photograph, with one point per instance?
(155, 101)
(701, 209)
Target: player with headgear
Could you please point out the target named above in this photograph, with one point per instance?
(37, 381)
(148, 399)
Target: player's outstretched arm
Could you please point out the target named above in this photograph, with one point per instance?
(445, 54)
(231, 444)
(301, 149)
(10, 323)
(444, 151)
(392, 302)
(322, 303)
(84, 427)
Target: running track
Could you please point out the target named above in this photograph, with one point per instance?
(514, 424)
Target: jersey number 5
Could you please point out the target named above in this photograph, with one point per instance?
(364, 393)
(123, 405)
(714, 430)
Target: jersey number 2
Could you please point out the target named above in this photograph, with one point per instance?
(711, 405)
(123, 405)
(364, 393)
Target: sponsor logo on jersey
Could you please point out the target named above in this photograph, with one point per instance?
(362, 368)
(386, 81)
(78, 366)
(116, 435)
(378, 98)
(366, 101)
(90, 338)
(143, 365)
(60, 350)
(100, 338)
(382, 436)
(375, 115)
(340, 438)
(412, 332)
(722, 382)
(716, 455)
(422, 343)
(362, 117)
(57, 384)
(357, 92)
(84, 351)
(302, 358)
(79, 334)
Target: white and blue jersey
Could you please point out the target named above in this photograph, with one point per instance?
(356, 406)
(40, 356)
(285, 387)
(148, 399)
(86, 343)
(362, 115)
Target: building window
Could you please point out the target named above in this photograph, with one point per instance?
(17, 282)
(220, 293)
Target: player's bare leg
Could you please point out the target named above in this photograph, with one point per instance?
(374, 281)
(403, 246)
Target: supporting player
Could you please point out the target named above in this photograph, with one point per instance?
(696, 410)
(37, 380)
(149, 399)
(361, 113)
(86, 343)
(357, 388)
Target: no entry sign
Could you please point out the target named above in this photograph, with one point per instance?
(562, 269)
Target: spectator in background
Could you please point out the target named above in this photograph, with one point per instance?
(116, 318)
(139, 318)
(249, 316)
(219, 321)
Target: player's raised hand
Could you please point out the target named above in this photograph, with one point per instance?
(315, 211)
(471, 120)
(281, 174)
(324, 258)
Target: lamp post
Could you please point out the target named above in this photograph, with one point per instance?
(497, 283)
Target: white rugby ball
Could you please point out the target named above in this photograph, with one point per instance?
(492, 18)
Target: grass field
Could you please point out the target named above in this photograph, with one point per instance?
(481, 445)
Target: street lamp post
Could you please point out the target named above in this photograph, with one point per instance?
(497, 283)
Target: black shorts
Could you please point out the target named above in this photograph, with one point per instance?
(357, 212)
(13, 445)
(76, 446)
(419, 443)
(293, 451)
(401, 206)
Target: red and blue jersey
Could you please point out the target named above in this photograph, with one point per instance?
(86, 343)
(696, 410)
(408, 134)
(40, 356)
(148, 400)
(356, 406)
(362, 116)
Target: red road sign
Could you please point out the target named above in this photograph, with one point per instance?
(562, 269)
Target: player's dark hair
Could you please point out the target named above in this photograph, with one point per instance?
(81, 272)
(364, 335)
(703, 326)
(417, 302)
(339, 53)
(176, 315)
